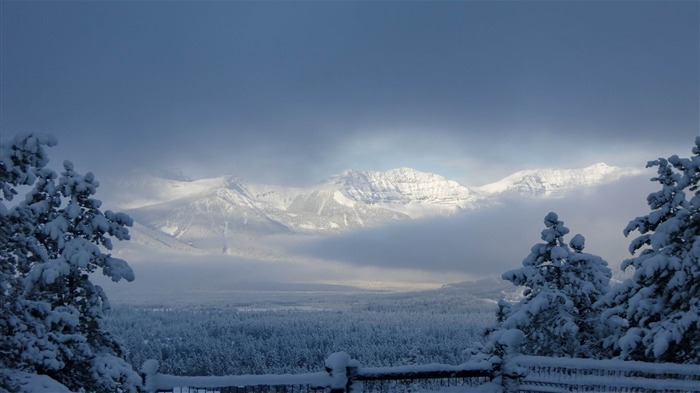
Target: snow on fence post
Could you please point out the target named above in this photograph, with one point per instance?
(149, 369)
(354, 386)
(343, 370)
(510, 341)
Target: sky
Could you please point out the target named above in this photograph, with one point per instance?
(294, 92)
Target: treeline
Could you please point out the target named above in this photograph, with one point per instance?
(225, 341)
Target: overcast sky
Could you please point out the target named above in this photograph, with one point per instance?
(292, 92)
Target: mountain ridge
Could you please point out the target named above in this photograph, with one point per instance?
(215, 213)
(554, 181)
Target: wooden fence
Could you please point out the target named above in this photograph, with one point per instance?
(544, 374)
(518, 374)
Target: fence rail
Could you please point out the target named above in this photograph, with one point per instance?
(427, 371)
(526, 374)
(589, 375)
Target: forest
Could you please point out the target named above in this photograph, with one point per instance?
(378, 329)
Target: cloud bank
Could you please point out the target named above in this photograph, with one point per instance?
(489, 241)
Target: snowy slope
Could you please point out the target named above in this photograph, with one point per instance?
(207, 213)
(148, 189)
(556, 182)
(400, 186)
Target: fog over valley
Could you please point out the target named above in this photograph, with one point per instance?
(218, 234)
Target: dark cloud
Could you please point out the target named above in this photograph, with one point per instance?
(489, 241)
(291, 92)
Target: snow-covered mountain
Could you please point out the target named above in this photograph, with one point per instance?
(215, 214)
(400, 186)
(556, 182)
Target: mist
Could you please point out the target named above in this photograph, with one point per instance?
(489, 241)
(409, 254)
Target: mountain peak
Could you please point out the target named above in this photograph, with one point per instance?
(399, 186)
(403, 174)
(555, 182)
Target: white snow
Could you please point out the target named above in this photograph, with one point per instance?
(609, 373)
(610, 364)
(33, 383)
(342, 199)
(193, 211)
(170, 229)
(553, 182)
(319, 379)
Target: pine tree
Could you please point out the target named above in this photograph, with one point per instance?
(50, 242)
(587, 281)
(658, 308)
(557, 315)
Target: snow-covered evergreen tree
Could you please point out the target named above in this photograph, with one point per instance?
(562, 284)
(659, 306)
(51, 321)
(587, 282)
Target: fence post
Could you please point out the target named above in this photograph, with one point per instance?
(149, 369)
(354, 386)
(510, 380)
(343, 370)
(510, 341)
(336, 366)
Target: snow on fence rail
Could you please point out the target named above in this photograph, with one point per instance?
(420, 377)
(342, 374)
(528, 374)
(575, 375)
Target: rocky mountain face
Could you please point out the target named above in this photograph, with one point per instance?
(400, 186)
(213, 214)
